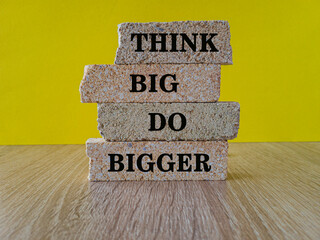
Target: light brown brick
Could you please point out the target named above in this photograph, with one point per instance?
(127, 54)
(98, 151)
(112, 83)
(204, 121)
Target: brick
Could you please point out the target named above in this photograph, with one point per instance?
(102, 153)
(220, 53)
(204, 121)
(113, 83)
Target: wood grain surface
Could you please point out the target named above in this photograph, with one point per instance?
(272, 192)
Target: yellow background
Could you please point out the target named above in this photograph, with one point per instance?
(44, 46)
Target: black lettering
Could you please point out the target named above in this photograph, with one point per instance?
(139, 40)
(206, 41)
(159, 163)
(183, 122)
(162, 41)
(206, 167)
(163, 83)
(183, 162)
(192, 45)
(153, 121)
(150, 164)
(173, 42)
(134, 81)
(130, 162)
(113, 161)
(153, 83)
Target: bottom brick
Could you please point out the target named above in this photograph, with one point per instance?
(150, 160)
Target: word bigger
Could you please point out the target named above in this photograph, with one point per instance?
(201, 159)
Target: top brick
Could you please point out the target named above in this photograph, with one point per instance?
(174, 42)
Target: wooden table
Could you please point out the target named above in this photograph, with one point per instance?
(272, 191)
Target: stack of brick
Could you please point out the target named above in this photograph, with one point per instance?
(157, 105)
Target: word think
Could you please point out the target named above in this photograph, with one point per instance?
(159, 42)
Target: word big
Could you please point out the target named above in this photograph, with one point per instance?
(162, 83)
(205, 39)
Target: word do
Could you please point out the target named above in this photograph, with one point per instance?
(163, 122)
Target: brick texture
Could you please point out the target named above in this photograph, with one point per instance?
(113, 83)
(99, 153)
(127, 50)
(204, 121)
